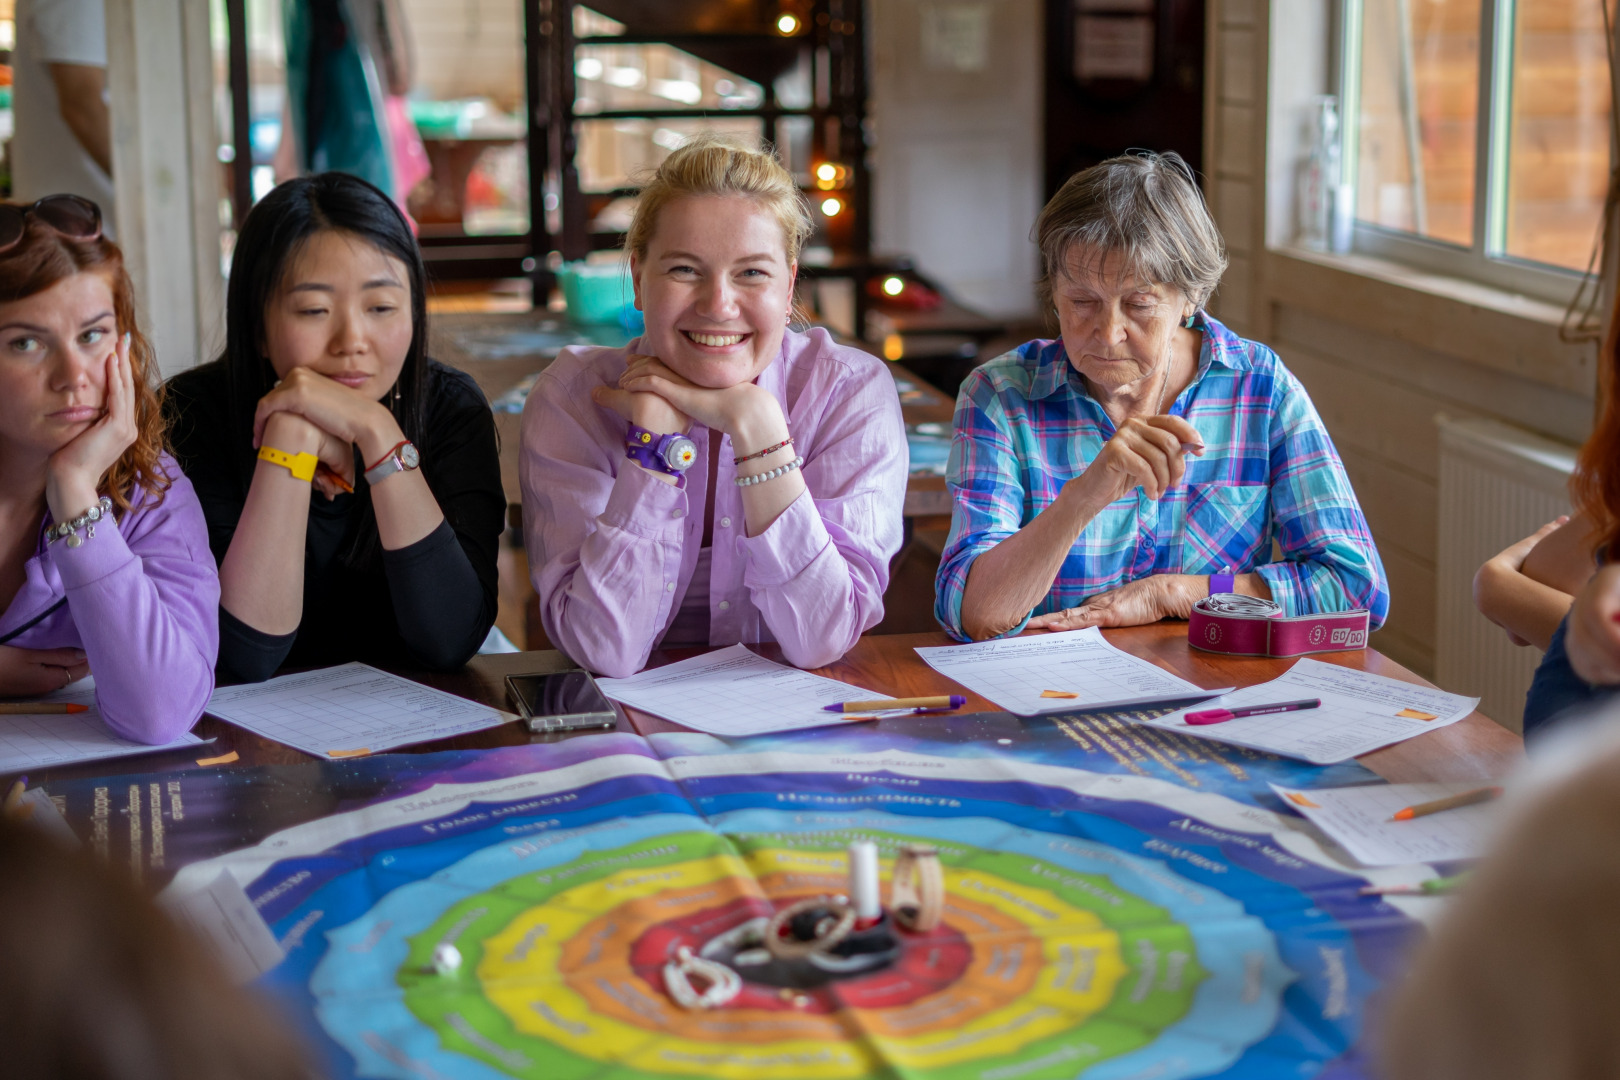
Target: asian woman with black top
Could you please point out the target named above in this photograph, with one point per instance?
(324, 387)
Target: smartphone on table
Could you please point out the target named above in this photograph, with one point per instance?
(561, 701)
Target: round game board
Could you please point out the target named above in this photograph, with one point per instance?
(1108, 936)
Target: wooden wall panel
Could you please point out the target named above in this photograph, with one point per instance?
(1364, 411)
(1401, 507)
(1351, 339)
(1408, 635)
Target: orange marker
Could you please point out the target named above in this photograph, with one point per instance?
(1450, 802)
(327, 471)
(39, 708)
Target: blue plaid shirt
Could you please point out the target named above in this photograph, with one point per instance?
(1025, 426)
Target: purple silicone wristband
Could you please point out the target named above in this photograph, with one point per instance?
(1220, 583)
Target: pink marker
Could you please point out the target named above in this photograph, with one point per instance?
(1221, 716)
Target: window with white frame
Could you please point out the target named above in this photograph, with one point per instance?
(1477, 135)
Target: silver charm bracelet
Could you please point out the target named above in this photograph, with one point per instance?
(86, 521)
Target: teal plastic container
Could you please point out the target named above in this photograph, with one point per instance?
(596, 294)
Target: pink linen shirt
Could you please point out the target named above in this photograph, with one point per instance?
(612, 548)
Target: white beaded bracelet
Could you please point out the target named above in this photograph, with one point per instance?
(780, 470)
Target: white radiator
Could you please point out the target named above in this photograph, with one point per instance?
(1498, 484)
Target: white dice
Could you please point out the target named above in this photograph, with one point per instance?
(446, 958)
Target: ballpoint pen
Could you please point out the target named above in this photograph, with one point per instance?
(1221, 716)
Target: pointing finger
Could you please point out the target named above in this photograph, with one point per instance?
(1179, 427)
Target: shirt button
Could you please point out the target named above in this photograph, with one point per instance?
(725, 605)
(725, 523)
(669, 587)
(677, 512)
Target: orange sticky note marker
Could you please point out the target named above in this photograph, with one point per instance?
(362, 752)
(1300, 800)
(223, 759)
(1058, 694)
(1418, 714)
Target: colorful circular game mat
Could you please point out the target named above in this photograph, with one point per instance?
(1097, 925)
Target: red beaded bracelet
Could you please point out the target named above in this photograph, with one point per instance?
(768, 450)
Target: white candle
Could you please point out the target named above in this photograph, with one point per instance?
(863, 880)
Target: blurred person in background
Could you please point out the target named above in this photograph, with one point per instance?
(350, 64)
(100, 985)
(63, 138)
(1517, 979)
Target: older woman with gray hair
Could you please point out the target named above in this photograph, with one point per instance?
(1150, 456)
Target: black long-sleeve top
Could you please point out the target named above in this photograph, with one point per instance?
(430, 604)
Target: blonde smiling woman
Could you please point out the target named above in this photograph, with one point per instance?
(722, 478)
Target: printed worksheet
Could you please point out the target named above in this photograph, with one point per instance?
(1360, 712)
(41, 741)
(734, 693)
(350, 710)
(221, 916)
(1063, 672)
(1361, 819)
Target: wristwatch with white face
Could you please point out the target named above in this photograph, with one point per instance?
(670, 454)
(399, 459)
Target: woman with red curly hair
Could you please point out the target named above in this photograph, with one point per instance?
(104, 560)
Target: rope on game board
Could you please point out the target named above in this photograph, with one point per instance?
(723, 983)
(829, 930)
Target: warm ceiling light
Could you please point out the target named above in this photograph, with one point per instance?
(827, 171)
(894, 347)
(893, 286)
(831, 207)
(787, 24)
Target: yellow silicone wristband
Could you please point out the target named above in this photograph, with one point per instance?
(302, 466)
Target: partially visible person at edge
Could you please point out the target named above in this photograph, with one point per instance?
(104, 563)
(1514, 980)
(722, 478)
(101, 985)
(1559, 588)
(1109, 477)
(325, 384)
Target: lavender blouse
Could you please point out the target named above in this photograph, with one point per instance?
(142, 600)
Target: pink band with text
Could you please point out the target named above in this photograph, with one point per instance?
(1249, 626)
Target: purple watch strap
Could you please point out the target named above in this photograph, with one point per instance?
(643, 446)
(1220, 583)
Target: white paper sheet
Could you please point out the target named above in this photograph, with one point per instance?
(734, 693)
(46, 740)
(350, 710)
(1359, 819)
(39, 811)
(1015, 672)
(227, 923)
(1360, 712)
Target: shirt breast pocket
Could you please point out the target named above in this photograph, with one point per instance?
(1227, 525)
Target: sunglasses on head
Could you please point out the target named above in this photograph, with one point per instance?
(67, 215)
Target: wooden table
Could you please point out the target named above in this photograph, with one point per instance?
(1475, 748)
